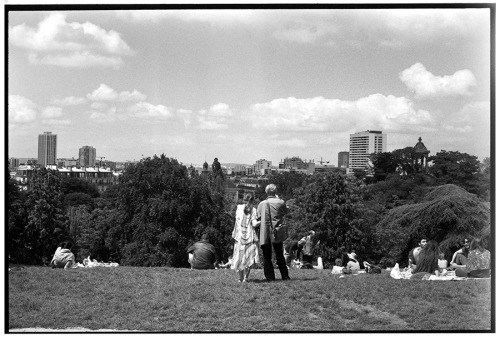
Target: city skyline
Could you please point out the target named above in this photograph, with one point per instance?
(244, 85)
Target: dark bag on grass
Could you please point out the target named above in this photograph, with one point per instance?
(375, 270)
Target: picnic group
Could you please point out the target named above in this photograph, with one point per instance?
(263, 227)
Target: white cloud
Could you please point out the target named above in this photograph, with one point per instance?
(109, 116)
(148, 110)
(68, 101)
(52, 112)
(214, 118)
(106, 93)
(70, 44)
(388, 113)
(426, 85)
(134, 96)
(218, 110)
(103, 93)
(57, 122)
(21, 109)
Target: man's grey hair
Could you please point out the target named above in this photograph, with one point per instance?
(271, 189)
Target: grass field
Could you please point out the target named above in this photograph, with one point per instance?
(170, 299)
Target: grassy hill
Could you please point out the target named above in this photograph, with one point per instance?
(175, 300)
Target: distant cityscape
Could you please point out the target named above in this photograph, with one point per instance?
(243, 178)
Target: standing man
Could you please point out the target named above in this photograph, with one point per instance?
(271, 213)
(201, 255)
(413, 256)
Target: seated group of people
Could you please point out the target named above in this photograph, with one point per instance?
(473, 260)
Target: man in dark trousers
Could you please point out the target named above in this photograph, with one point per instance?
(271, 213)
(202, 254)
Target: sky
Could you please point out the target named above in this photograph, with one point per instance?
(247, 84)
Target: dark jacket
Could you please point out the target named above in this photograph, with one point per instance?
(203, 255)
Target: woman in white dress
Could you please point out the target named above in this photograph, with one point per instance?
(246, 246)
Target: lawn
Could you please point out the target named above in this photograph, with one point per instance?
(173, 300)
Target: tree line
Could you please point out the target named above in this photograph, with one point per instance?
(159, 207)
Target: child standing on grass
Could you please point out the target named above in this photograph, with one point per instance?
(246, 251)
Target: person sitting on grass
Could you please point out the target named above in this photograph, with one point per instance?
(63, 257)
(371, 267)
(201, 255)
(337, 268)
(226, 265)
(460, 256)
(353, 263)
(478, 262)
(427, 261)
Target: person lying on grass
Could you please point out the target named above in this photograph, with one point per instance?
(478, 261)
(63, 257)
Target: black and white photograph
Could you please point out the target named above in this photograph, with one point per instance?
(249, 167)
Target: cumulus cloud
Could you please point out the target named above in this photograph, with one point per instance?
(70, 44)
(214, 118)
(320, 114)
(108, 116)
(424, 84)
(52, 112)
(68, 101)
(148, 110)
(21, 109)
(106, 93)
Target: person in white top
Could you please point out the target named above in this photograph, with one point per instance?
(246, 250)
(337, 269)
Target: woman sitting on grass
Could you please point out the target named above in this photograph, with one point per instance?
(246, 252)
(478, 261)
(427, 261)
(63, 257)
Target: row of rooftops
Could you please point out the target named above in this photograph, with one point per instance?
(69, 169)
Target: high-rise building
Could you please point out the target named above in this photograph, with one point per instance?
(47, 149)
(344, 159)
(87, 156)
(362, 145)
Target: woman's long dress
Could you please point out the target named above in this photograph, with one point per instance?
(246, 250)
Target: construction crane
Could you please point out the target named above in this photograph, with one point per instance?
(321, 161)
(100, 160)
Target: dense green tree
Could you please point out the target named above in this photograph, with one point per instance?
(45, 215)
(16, 219)
(286, 183)
(329, 203)
(164, 208)
(78, 198)
(383, 164)
(80, 185)
(445, 213)
(453, 167)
